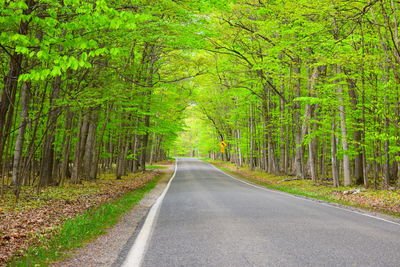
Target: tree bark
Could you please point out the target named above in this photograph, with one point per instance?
(90, 145)
(46, 173)
(358, 159)
(66, 146)
(298, 160)
(343, 126)
(335, 169)
(79, 150)
(10, 84)
(16, 174)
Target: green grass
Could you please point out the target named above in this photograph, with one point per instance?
(287, 189)
(152, 167)
(75, 232)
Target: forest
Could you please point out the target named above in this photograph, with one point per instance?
(303, 88)
(90, 86)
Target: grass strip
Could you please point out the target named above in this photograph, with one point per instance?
(155, 167)
(300, 192)
(74, 233)
(286, 189)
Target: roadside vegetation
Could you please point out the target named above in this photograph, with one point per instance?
(383, 201)
(39, 228)
(304, 89)
(85, 87)
(91, 89)
(91, 92)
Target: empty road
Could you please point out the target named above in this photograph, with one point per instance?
(210, 219)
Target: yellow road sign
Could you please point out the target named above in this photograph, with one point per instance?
(223, 145)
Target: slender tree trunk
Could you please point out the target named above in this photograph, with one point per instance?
(343, 126)
(90, 146)
(298, 161)
(96, 157)
(335, 169)
(358, 159)
(311, 157)
(135, 164)
(46, 173)
(153, 145)
(145, 143)
(16, 174)
(120, 158)
(251, 141)
(11, 83)
(66, 146)
(282, 134)
(79, 150)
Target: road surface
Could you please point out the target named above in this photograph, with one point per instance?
(207, 218)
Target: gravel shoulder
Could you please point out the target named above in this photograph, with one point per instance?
(106, 249)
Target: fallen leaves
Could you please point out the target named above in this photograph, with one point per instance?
(379, 200)
(352, 191)
(37, 217)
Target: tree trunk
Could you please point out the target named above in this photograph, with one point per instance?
(282, 135)
(46, 173)
(311, 159)
(16, 174)
(343, 126)
(152, 149)
(145, 143)
(298, 160)
(66, 146)
(251, 141)
(335, 169)
(79, 150)
(10, 84)
(358, 159)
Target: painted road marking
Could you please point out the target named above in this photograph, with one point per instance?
(303, 198)
(136, 253)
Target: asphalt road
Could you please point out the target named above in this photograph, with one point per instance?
(210, 219)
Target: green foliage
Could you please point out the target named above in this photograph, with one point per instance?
(286, 75)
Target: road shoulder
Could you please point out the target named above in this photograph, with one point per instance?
(266, 186)
(106, 249)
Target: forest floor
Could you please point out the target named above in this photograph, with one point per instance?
(35, 218)
(375, 200)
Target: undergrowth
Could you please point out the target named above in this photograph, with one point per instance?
(383, 201)
(74, 233)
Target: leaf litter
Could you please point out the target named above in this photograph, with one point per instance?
(37, 217)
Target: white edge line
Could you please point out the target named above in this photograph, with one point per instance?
(303, 198)
(136, 253)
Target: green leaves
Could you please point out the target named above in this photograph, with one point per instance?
(312, 100)
(22, 50)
